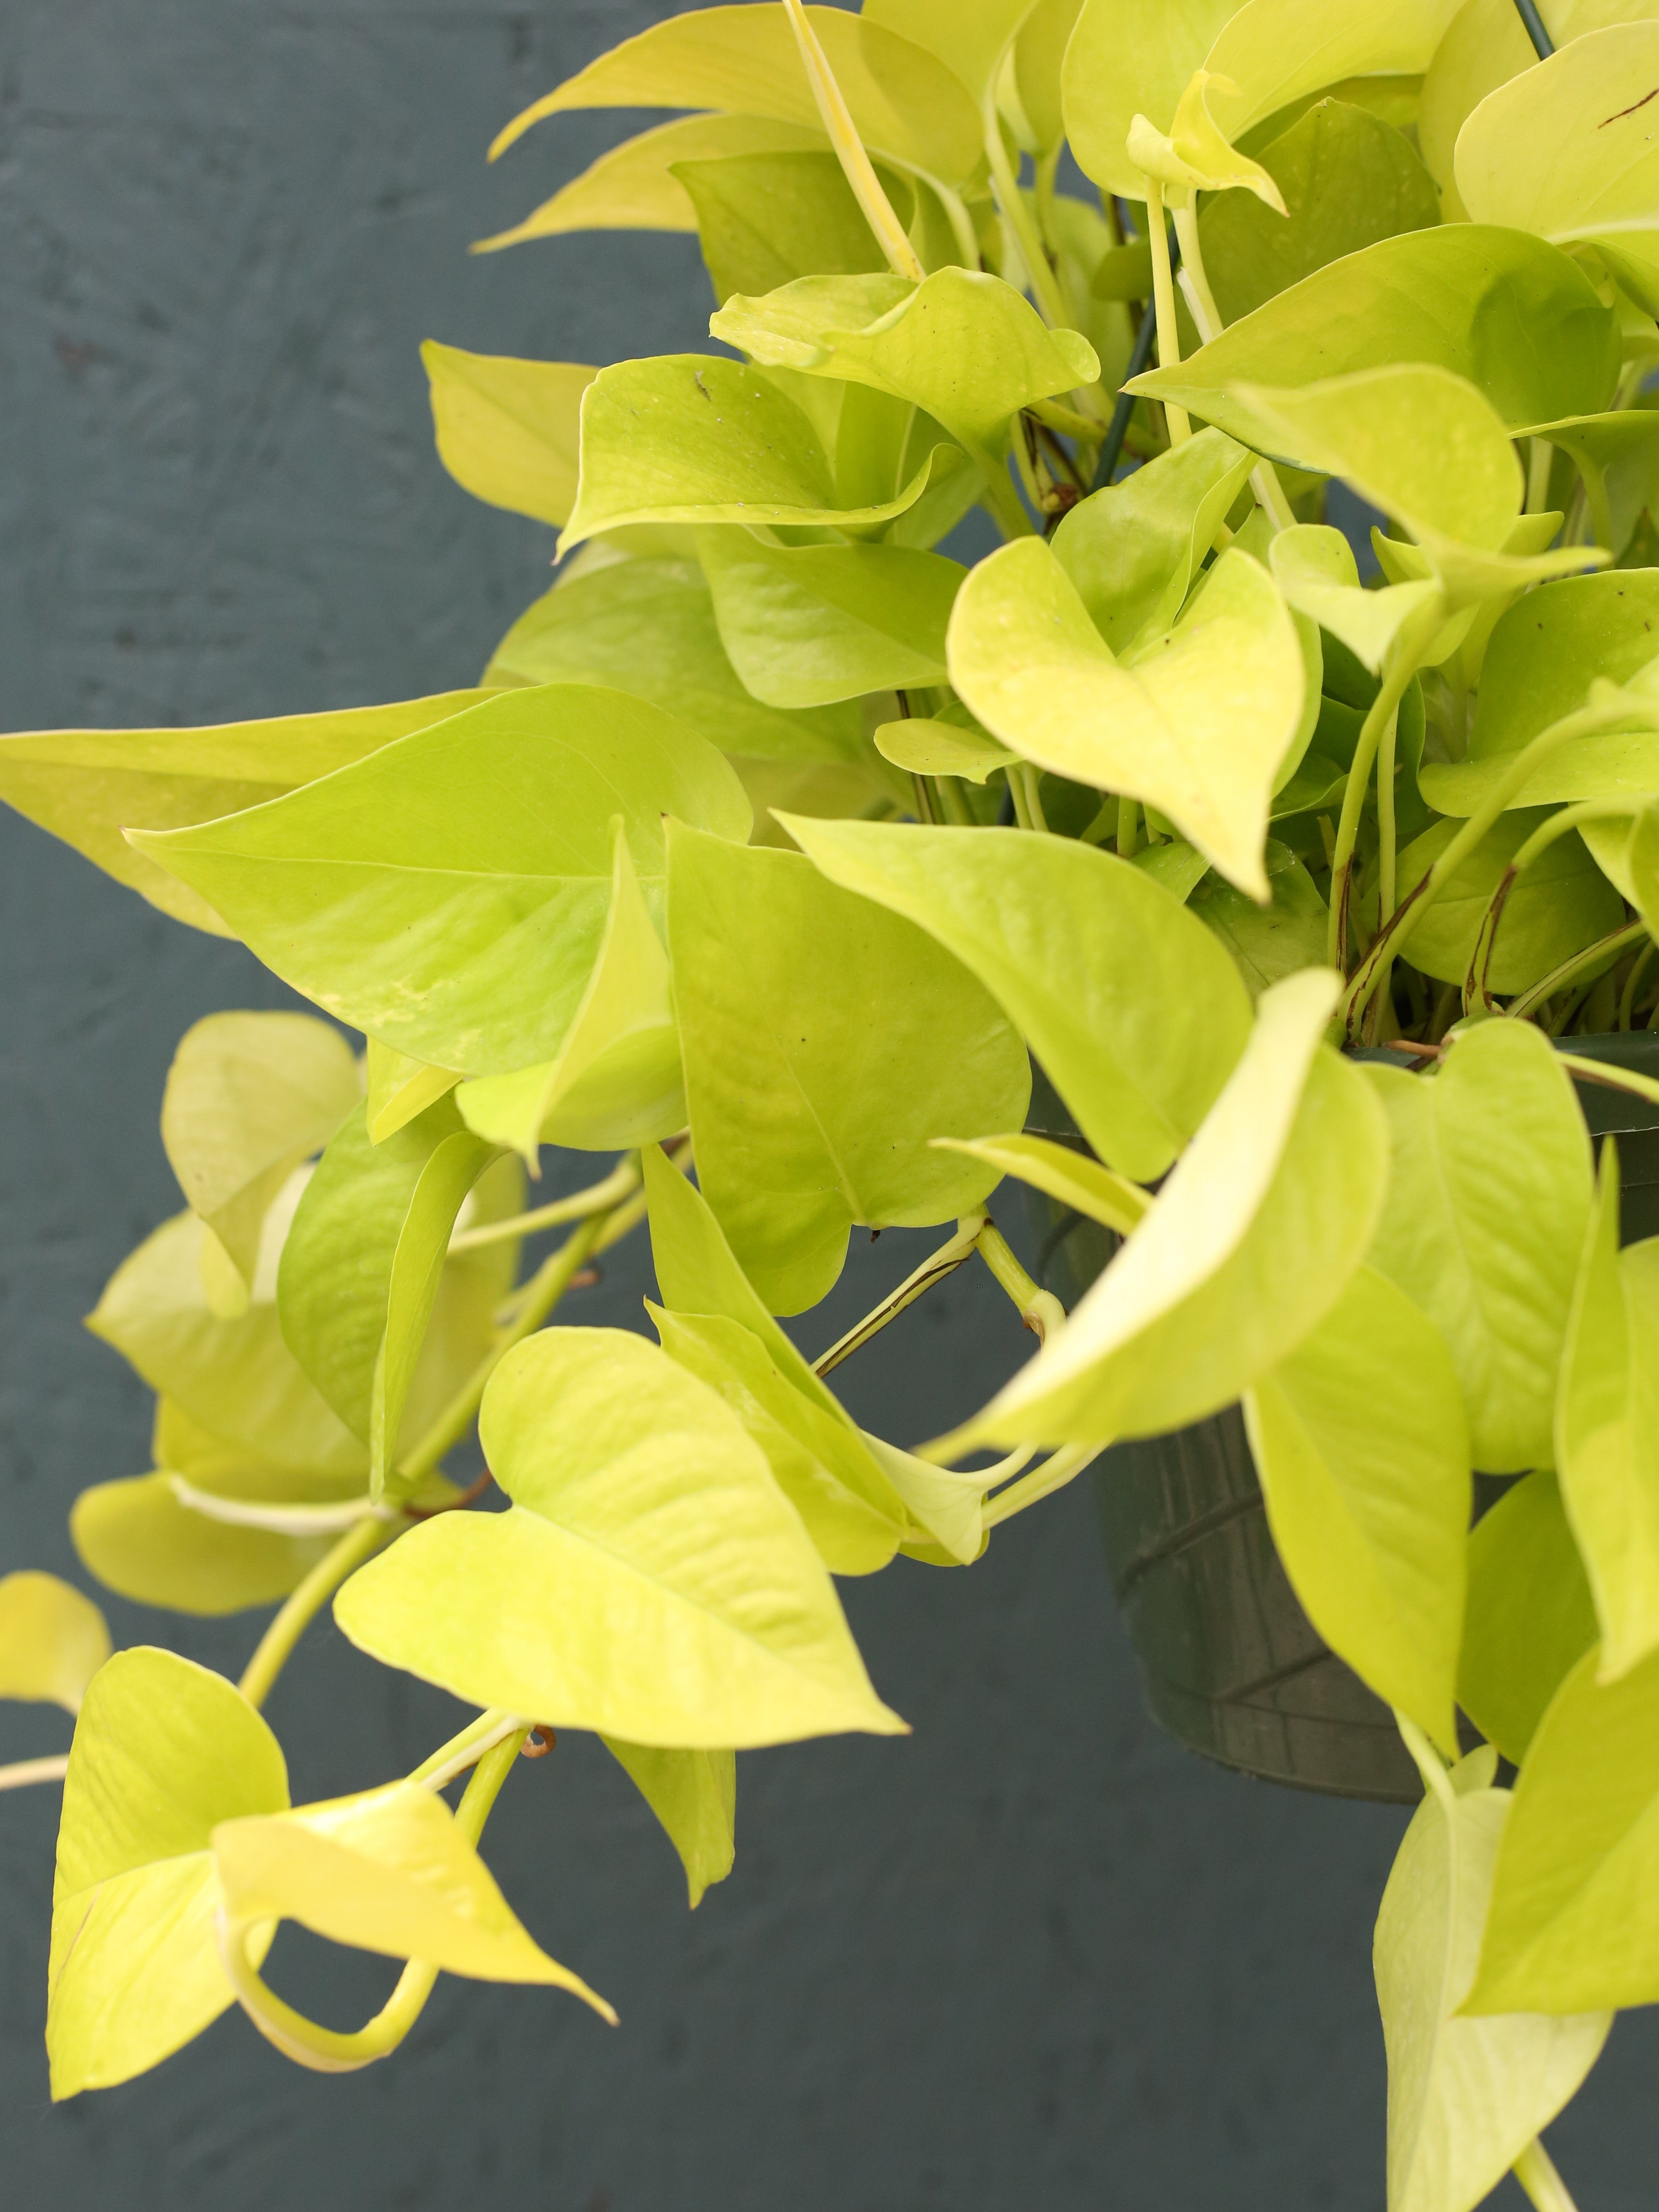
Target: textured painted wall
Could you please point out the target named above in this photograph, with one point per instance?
(1032, 1957)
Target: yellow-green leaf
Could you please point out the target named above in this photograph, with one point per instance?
(926, 745)
(1128, 57)
(694, 1795)
(400, 1088)
(1530, 1614)
(143, 1540)
(1075, 1178)
(52, 1640)
(507, 429)
(1275, 52)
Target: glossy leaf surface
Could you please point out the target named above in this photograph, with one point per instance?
(819, 1066)
(52, 1640)
(163, 1751)
(651, 1581)
(1530, 1617)
(1488, 1206)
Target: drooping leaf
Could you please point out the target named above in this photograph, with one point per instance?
(143, 1541)
(1573, 1924)
(1347, 178)
(1195, 154)
(694, 1795)
(819, 1064)
(904, 102)
(1464, 2096)
(1367, 1487)
(647, 627)
(1489, 1202)
(1250, 1244)
(1565, 150)
(449, 896)
(1073, 1177)
(248, 1097)
(692, 438)
(1530, 1617)
(1135, 1012)
(163, 1751)
(360, 1270)
(651, 1581)
(1133, 548)
(90, 786)
(388, 1870)
(1462, 298)
(1607, 1440)
(1128, 57)
(969, 36)
(1267, 943)
(809, 625)
(1274, 51)
(52, 1640)
(1560, 904)
(400, 1088)
(507, 429)
(1314, 567)
(1198, 727)
(963, 345)
(765, 219)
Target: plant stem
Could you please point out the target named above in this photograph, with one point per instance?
(1041, 1310)
(856, 165)
(1195, 282)
(1062, 1467)
(465, 1748)
(1017, 214)
(622, 1183)
(1543, 45)
(359, 1543)
(1128, 828)
(1036, 818)
(1601, 955)
(24, 1771)
(948, 1258)
(1412, 638)
(1535, 2171)
(323, 2049)
(1476, 987)
(1627, 996)
(1001, 502)
(1169, 336)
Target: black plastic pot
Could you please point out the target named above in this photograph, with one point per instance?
(1233, 1665)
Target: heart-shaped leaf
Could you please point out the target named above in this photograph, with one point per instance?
(815, 1082)
(1199, 726)
(449, 896)
(1368, 1489)
(248, 1097)
(52, 1640)
(694, 1795)
(1530, 1615)
(1466, 2097)
(1129, 58)
(929, 745)
(507, 429)
(1489, 1203)
(1134, 1010)
(163, 1752)
(1250, 1244)
(651, 1581)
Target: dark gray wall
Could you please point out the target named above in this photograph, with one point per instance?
(1033, 1956)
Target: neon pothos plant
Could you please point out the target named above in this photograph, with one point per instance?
(775, 843)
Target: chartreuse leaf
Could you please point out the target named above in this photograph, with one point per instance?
(1249, 1245)
(691, 438)
(634, 186)
(140, 1540)
(90, 787)
(163, 1751)
(1573, 1923)
(647, 627)
(360, 1270)
(1347, 180)
(248, 1097)
(1466, 2097)
(1367, 1489)
(387, 1870)
(764, 219)
(1462, 298)
(1488, 1206)
(694, 1795)
(855, 1517)
(1267, 943)
(969, 36)
(1134, 1011)
(1562, 904)
(814, 1084)
(1129, 58)
(929, 745)
(904, 102)
(507, 429)
(616, 1081)
(232, 1374)
(1199, 726)
(651, 1581)
(963, 345)
(1073, 1177)
(1530, 1614)
(1314, 567)
(807, 625)
(1274, 51)
(449, 896)
(1195, 154)
(1545, 653)
(1562, 151)
(1607, 1440)
(1039, 59)
(1133, 548)
(400, 1088)
(52, 1640)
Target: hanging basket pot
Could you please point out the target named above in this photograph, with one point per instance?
(1232, 1666)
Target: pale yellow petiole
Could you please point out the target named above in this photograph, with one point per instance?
(948, 1258)
(856, 165)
